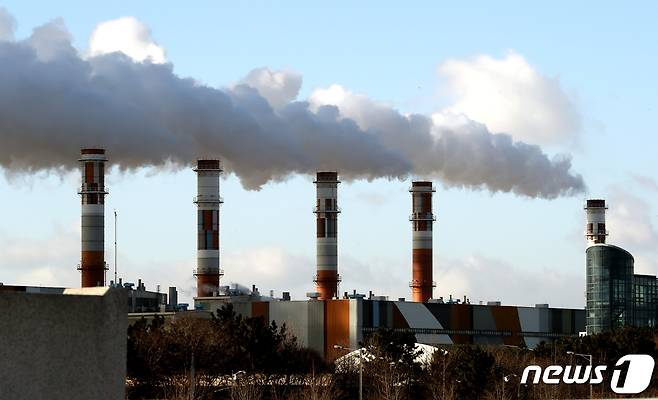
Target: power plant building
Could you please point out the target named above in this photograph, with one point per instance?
(321, 324)
(615, 296)
(609, 288)
(645, 300)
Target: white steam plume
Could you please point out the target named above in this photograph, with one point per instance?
(127, 35)
(7, 25)
(53, 101)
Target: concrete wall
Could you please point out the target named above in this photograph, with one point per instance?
(63, 346)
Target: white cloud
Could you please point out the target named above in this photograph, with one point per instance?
(479, 277)
(509, 95)
(50, 261)
(269, 268)
(482, 278)
(630, 222)
(7, 25)
(277, 87)
(645, 182)
(127, 35)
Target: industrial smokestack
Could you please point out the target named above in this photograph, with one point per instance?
(326, 211)
(595, 230)
(422, 218)
(92, 191)
(207, 201)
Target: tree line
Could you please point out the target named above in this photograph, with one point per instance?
(233, 357)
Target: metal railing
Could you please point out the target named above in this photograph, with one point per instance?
(422, 217)
(588, 233)
(105, 267)
(92, 190)
(478, 332)
(208, 199)
(317, 209)
(416, 283)
(196, 272)
(421, 189)
(315, 278)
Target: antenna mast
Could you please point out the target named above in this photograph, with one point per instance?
(115, 247)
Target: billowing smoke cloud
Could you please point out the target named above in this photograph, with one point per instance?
(127, 35)
(277, 87)
(53, 101)
(7, 25)
(459, 151)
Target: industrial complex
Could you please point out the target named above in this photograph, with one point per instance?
(328, 320)
(616, 297)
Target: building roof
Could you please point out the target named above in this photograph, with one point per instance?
(425, 354)
(612, 246)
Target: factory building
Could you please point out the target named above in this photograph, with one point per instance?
(320, 325)
(616, 297)
(645, 300)
(139, 300)
(609, 287)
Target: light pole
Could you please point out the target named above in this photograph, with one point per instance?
(115, 248)
(339, 347)
(444, 352)
(587, 357)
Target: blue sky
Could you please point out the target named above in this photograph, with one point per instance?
(598, 56)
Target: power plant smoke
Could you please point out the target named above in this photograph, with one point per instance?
(54, 100)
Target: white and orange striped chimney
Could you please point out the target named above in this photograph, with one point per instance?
(208, 201)
(326, 211)
(421, 218)
(595, 231)
(92, 192)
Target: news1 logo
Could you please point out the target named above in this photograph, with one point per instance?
(631, 374)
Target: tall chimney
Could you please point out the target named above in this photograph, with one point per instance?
(326, 211)
(207, 201)
(595, 231)
(422, 218)
(92, 191)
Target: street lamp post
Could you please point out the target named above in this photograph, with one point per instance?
(337, 346)
(587, 357)
(443, 383)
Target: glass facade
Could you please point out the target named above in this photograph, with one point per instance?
(610, 292)
(644, 300)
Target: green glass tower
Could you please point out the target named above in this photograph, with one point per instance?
(610, 294)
